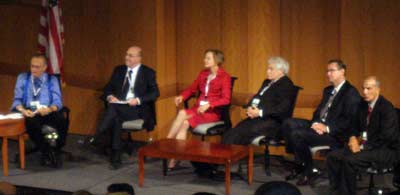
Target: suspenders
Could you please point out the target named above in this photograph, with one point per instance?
(26, 89)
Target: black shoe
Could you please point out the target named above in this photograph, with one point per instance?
(115, 161)
(115, 165)
(303, 181)
(45, 159)
(55, 159)
(294, 173)
(396, 179)
(308, 179)
(91, 141)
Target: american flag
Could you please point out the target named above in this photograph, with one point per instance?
(51, 35)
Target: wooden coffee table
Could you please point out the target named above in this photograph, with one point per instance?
(12, 128)
(197, 151)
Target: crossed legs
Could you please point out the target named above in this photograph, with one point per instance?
(179, 130)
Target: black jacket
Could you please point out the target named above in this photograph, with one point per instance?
(342, 111)
(383, 128)
(277, 102)
(145, 89)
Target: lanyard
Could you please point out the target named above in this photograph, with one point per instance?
(209, 79)
(35, 91)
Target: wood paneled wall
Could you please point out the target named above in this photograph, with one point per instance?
(175, 33)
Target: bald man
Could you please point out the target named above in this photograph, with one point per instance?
(378, 127)
(130, 95)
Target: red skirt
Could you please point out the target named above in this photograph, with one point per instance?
(208, 117)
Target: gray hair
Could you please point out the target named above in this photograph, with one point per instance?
(374, 78)
(280, 64)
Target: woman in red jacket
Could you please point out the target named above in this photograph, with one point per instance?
(214, 85)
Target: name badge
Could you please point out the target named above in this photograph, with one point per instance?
(202, 102)
(255, 102)
(35, 105)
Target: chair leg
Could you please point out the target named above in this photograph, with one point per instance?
(267, 161)
(21, 142)
(164, 166)
(371, 184)
(130, 145)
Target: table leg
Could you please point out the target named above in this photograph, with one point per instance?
(22, 151)
(227, 177)
(250, 166)
(141, 168)
(5, 156)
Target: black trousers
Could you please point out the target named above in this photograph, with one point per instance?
(300, 137)
(113, 118)
(343, 166)
(248, 129)
(34, 128)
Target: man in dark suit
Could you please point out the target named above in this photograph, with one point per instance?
(130, 95)
(328, 126)
(377, 123)
(268, 108)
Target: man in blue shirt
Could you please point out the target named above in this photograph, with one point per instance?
(37, 96)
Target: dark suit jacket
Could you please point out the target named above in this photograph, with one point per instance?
(383, 128)
(146, 90)
(277, 101)
(342, 111)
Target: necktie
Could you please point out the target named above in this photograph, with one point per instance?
(324, 112)
(364, 135)
(369, 114)
(37, 82)
(126, 85)
(130, 75)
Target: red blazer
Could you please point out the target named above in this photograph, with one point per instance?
(219, 90)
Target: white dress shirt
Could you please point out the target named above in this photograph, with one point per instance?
(131, 81)
(337, 88)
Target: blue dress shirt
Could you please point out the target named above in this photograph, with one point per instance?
(49, 94)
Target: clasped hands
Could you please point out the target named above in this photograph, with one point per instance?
(201, 110)
(252, 112)
(42, 112)
(319, 128)
(353, 144)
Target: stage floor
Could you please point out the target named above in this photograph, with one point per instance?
(89, 171)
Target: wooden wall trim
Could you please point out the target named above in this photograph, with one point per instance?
(71, 79)
(84, 82)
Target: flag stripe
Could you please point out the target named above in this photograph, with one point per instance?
(55, 39)
(51, 35)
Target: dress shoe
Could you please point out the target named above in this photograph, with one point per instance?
(44, 160)
(115, 165)
(308, 179)
(91, 141)
(115, 161)
(396, 179)
(294, 173)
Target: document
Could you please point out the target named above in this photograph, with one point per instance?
(11, 116)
